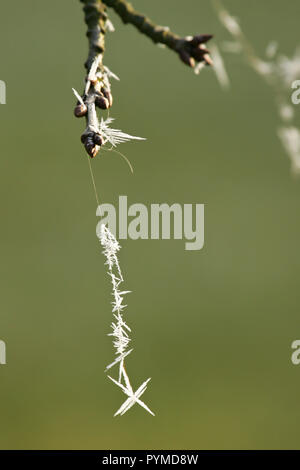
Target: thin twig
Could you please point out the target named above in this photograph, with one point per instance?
(191, 49)
(97, 87)
(95, 18)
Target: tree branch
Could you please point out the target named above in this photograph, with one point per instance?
(191, 49)
(95, 18)
(97, 88)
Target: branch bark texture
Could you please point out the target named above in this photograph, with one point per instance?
(191, 49)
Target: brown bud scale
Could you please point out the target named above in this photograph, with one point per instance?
(97, 139)
(101, 102)
(80, 110)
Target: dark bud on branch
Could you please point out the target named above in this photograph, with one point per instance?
(92, 142)
(186, 58)
(200, 53)
(101, 101)
(98, 139)
(80, 110)
(200, 39)
(193, 50)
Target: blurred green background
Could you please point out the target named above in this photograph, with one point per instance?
(212, 328)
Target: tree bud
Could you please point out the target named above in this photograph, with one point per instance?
(98, 140)
(80, 110)
(186, 58)
(200, 39)
(101, 102)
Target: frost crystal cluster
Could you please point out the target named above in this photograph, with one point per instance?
(120, 329)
